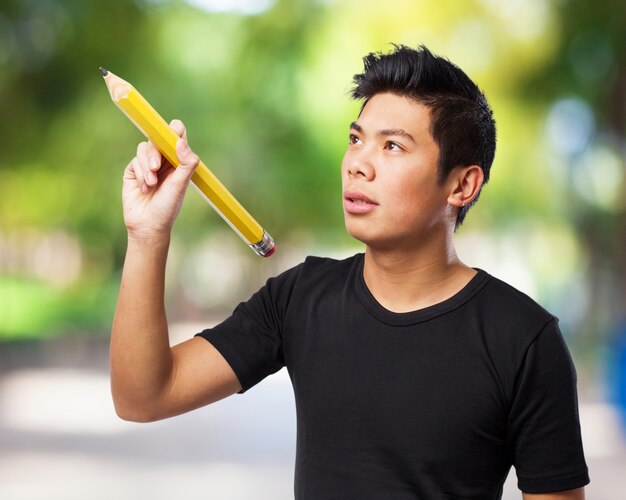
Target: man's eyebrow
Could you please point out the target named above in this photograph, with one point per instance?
(384, 132)
(356, 126)
(396, 131)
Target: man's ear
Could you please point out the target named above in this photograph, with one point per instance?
(465, 184)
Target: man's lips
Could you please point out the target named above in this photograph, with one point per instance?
(357, 203)
(357, 196)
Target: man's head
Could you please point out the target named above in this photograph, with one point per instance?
(461, 121)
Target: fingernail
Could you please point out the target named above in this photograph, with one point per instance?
(152, 177)
(144, 188)
(154, 163)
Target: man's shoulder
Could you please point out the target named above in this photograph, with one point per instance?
(510, 321)
(514, 316)
(507, 297)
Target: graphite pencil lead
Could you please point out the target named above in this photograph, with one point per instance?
(103, 71)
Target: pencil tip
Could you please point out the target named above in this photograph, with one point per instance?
(103, 71)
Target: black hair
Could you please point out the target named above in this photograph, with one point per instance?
(462, 122)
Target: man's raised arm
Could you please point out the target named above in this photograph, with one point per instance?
(150, 380)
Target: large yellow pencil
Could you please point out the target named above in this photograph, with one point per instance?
(154, 127)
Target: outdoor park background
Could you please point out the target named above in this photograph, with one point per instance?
(262, 87)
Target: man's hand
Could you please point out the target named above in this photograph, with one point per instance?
(153, 190)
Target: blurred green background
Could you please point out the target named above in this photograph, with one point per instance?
(262, 87)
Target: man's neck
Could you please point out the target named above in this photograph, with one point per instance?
(409, 279)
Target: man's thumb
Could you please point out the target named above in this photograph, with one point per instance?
(187, 158)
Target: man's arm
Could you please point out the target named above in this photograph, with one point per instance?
(150, 380)
(577, 494)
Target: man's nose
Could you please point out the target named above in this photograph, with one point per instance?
(360, 164)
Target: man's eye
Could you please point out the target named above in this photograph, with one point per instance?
(392, 146)
(354, 139)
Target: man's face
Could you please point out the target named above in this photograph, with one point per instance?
(391, 160)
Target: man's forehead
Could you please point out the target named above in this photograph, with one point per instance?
(391, 112)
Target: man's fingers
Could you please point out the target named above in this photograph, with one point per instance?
(149, 160)
(154, 157)
(135, 172)
(144, 166)
(179, 128)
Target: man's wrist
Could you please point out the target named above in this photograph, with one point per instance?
(149, 242)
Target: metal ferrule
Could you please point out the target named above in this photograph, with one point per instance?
(265, 247)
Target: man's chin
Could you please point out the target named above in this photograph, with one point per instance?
(371, 239)
(356, 233)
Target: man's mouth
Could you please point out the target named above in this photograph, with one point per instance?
(356, 197)
(357, 203)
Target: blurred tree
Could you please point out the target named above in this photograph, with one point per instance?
(589, 68)
(263, 94)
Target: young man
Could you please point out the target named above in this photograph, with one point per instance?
(415, 375)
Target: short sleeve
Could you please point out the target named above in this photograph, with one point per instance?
(544, 436)
(250, 340)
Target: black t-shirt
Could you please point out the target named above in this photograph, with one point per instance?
(430, 404)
